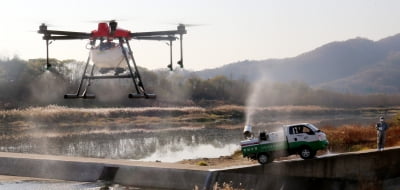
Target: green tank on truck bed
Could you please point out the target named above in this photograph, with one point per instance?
(304, 139)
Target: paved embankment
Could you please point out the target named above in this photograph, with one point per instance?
(360, 170)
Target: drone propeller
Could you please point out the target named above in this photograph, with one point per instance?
(45, 24)
(191, 25)
(107, 20)
(186, 24)
(50, 25)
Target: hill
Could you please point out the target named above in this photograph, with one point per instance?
(346, 66)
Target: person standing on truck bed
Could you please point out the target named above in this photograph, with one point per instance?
(381, 128)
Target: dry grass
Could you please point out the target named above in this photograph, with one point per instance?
(223, 186)
(202, 163)
(356, 137)
(58, 121)
(50, 113)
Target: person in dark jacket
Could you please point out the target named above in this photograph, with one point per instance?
(381, 128)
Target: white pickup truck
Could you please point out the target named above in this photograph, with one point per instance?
(304, 139)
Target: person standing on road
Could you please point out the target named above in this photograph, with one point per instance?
(381, 128)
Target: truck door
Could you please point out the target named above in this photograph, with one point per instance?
(295, 134)
(299, 134)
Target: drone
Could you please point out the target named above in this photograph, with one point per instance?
(110, 50)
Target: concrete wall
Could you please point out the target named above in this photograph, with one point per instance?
(87, 171)
(50, 169)
(354, 171)
(168, 178)
(368, 170)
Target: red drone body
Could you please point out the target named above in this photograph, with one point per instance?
(104, 30)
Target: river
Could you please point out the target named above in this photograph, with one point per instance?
(171, 145)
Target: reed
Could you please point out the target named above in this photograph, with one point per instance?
(348, 138)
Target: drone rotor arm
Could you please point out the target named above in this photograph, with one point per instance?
(180, 31)
(158, 38)
(158, 33)
(59, 32)
(63, 35)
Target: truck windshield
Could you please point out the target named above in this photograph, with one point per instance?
(313, 128)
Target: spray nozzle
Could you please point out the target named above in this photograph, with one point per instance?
(247, 131)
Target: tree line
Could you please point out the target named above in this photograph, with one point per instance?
(28, 83)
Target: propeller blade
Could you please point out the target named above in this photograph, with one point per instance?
(186, 24)
(106, 20)
(192, 25)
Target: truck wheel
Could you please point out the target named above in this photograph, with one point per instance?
(263, 158)
(306, 153)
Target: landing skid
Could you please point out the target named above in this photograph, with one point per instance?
(76, 96)
(146, 96)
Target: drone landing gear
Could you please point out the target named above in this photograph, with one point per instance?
(75, 96)
(133, 74)
(147, 96)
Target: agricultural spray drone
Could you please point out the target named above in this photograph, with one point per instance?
(110, 51)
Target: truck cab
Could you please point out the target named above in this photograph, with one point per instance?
(304, 139)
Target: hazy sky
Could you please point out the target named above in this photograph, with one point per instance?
(232, 30)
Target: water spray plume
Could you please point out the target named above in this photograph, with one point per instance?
(255, 99)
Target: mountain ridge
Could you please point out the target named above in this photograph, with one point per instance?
(328, 66)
